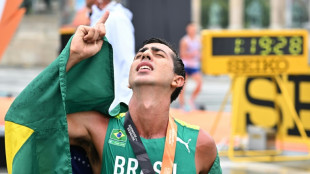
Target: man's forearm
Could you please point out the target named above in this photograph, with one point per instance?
(71, 61)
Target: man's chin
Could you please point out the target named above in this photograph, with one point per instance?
(144, 82)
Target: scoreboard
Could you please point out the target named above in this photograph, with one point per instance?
(254, 52)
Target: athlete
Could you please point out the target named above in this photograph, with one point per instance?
(156, 78)
(190, 53)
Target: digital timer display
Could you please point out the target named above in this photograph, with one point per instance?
(255, 52)
(264, 45)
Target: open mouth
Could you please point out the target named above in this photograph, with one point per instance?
(144, 66)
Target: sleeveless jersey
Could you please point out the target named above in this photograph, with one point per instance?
(118, 156)
(192, 46)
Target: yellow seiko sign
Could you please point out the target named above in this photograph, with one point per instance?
(261, 104)
(254, 52)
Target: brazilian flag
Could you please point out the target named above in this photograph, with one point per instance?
(36, 132)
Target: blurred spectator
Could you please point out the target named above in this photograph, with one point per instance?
(120, 34)
(82, 17)
(28, 5)
(190, 54)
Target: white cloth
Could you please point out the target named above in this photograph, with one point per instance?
(120, 33)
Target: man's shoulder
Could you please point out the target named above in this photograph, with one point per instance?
(184, 38)
(205, 140)
(119, 117)
(206, 151)
(95, 117)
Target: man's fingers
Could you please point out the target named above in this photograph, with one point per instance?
(103, 18)
(100, 25)
(96, 35)
(101, 29)
(99, 43)
(90, 34)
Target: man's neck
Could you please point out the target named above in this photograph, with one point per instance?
(192, 37)
(150, 112)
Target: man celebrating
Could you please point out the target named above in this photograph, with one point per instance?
(146, 138)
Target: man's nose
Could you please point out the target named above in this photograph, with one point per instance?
(146, 54)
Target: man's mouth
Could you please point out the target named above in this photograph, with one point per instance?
(145, 66)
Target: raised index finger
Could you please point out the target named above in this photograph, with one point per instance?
(103, 18)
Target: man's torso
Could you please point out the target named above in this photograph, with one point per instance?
(118, 156)
(193, 46)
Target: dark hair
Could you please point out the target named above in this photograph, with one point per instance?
(178, 66)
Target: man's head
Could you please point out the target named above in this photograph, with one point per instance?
(168, 65)
(102, 3)
(89, 3)
(191, 29)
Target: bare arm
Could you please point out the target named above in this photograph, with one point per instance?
(78, 127)
(88, 130)
(86, 42)
(205, 152)
(85, 126)
(183, 49)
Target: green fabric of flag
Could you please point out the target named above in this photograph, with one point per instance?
(36, 131)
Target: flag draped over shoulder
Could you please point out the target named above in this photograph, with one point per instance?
(36, 133)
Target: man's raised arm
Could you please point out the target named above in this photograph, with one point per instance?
(87, 41)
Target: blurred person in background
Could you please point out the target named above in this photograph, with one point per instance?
(120, 34)
(190, 52)
(82, 17)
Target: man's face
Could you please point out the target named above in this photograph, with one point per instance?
(89, 3)
(191, 30)
(152, 65)
(101, 3)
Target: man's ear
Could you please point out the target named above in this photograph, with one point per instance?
(178, 81)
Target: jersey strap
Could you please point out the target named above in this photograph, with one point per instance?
(139, 149)
(170, 144)
(137, 146)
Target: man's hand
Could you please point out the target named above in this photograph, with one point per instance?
(87, 41)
